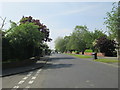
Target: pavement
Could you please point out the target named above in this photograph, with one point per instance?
(65, 71)
(12, 71)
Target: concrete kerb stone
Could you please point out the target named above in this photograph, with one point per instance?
(31, 69)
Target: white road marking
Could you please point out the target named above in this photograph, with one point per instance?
(40, 70)
(30, 72)
(33, 77)
(16, 87)
(21, 82)
(29, 75)
(30, 82)
(87, 81)
(25, 78)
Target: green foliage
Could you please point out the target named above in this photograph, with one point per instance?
(60, 44)
(80, 56)
(24, 41)
(107, 60)
(89, 50)
(79, 40)
(112, 21)
(106, 46)
(42, 28)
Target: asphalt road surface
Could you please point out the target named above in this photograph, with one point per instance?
(64, 71)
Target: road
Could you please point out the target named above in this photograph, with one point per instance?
(64, 71)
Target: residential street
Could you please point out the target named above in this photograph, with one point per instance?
(64, 71)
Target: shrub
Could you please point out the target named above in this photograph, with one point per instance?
(106, 46)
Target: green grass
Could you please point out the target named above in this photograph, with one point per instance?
(107, 60)
(88, 50)
(80, 56)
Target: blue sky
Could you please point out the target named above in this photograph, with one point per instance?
(59, 17)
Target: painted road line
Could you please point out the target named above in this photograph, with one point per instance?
(87, 81)
(29, 74)
(25, 78)
(40, 70)
(16, 87)
(33, 77)
(21, 82)
(30, 82)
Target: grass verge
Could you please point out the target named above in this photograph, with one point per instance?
(80, 56)
(107, 60)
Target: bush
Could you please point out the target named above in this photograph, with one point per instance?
(88, 50)
(22, 42)
(106, 46)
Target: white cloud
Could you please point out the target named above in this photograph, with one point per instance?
(75, 11)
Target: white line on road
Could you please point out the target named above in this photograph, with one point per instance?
(40, 70)
(30, 72)
(16, 87)
(30, 82)
(33, 77)
(29, 75)
(21, 82)
(25, 78)
(87, 81)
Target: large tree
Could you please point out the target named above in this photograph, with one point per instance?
(25, 40)
(60, 44)
(41, 27)
(78, 39)
(22, 41)
(113, 24)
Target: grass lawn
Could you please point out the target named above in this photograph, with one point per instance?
(107, 60)
(80, 56)
(88, 50)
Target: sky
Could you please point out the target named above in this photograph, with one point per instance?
(60, 17)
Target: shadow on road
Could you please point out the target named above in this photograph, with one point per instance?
(60, 58)
(57, 66)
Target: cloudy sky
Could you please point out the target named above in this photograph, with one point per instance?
(59, 17)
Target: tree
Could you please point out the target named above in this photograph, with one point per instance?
(42, 28)
(94, 36)
(113, 24)
(76, 43)
(106, 46)
(23, 40)
(60, 44)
